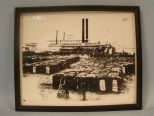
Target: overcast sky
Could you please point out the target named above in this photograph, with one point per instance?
(116, 28)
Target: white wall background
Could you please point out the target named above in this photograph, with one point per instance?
(7, 54)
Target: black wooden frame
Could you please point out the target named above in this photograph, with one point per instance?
(20, 10)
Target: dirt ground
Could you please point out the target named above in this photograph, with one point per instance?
(32, 93)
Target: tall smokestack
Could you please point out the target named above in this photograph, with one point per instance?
(86, 30)
(56, 36)
(83, 31)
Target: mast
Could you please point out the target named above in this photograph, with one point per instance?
(57, 37)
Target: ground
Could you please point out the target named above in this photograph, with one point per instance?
(34, 94)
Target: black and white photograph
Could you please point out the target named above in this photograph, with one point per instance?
(78, 58)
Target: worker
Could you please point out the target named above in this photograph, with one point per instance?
(83, 88)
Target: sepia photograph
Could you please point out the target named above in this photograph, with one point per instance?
(78, 58)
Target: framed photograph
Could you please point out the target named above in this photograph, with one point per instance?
(78, 58)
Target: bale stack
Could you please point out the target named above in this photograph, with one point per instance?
(93, 75)
(50, 66)
(89, 82)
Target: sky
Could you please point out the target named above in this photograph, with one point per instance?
(116, 28)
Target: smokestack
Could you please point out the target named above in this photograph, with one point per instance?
(86, 30)
(56, 36)
(83, 31)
